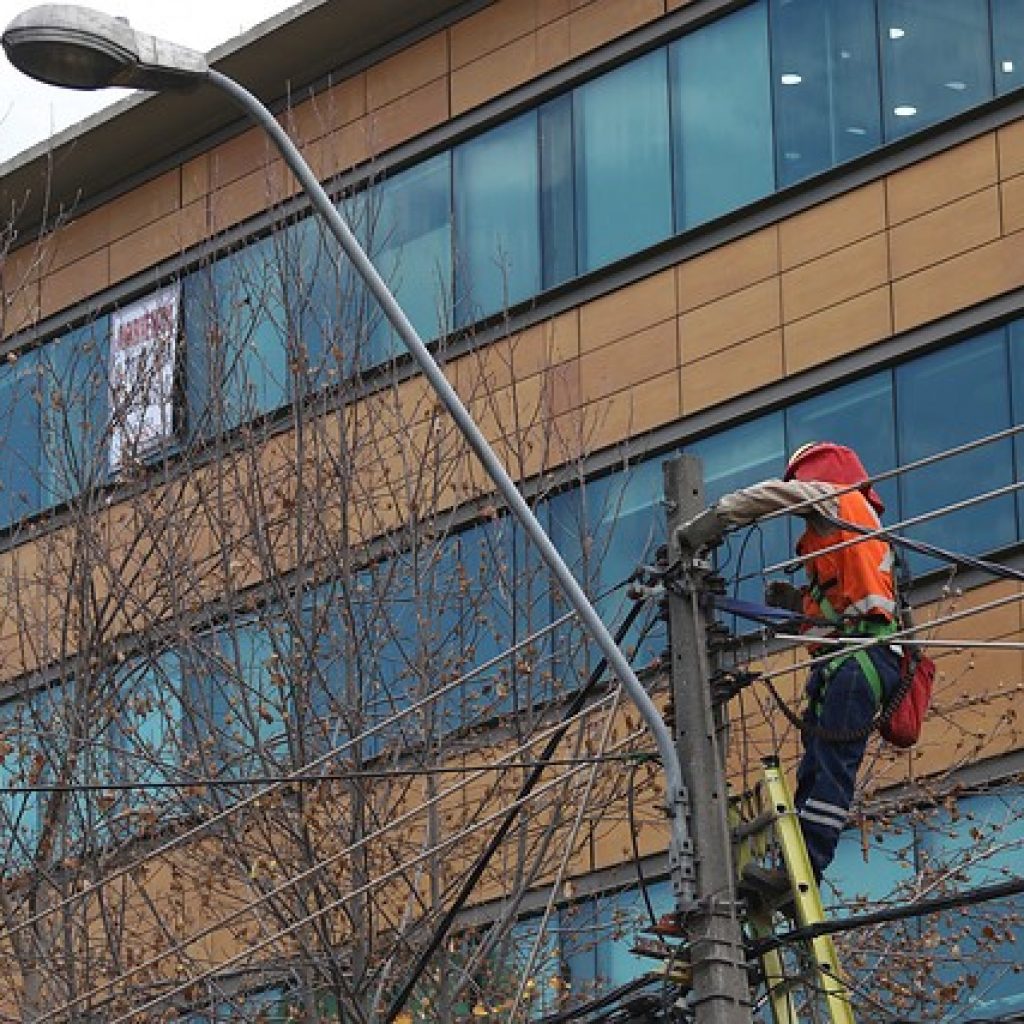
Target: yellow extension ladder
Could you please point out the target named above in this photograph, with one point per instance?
(765, 822)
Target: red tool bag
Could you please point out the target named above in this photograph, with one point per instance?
(901, 724)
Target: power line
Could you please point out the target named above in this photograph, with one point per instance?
(319, 912)
(933, 905)
(640, 757)
(215, 819)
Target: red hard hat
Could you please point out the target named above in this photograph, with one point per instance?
(832, 464)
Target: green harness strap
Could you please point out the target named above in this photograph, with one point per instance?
(863, 628)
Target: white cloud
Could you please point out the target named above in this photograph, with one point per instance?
(31, 112)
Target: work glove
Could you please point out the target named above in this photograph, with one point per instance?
(704, 530)
(780, 594)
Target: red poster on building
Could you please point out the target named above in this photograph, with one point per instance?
(142, 356)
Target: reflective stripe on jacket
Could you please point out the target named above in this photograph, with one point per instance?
(855, 581)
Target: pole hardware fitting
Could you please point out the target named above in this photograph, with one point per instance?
(726, 685)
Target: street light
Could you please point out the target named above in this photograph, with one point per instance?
(78, 48)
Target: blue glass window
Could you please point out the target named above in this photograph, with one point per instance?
(598, 935)
(146, 733)
(557, 191)
(860, 414)
(1015, 332)
(943, 400)
(738, 457)
(497, 219)
(723, 118)
(20, 441)
(980, 845)
(236, 319)
(623, 174)
(235, 711)
(410, 236)
(936, 60)
(1008, 36)
(604, 530)
(825, 84)
(74, 385)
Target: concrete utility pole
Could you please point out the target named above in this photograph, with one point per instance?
(721, 987)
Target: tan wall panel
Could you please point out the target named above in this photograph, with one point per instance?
(959, 282)
(721, 324)
(1011, 149)
(168, 237)
(855, 269)
(942, 179)
(496, 26)
(632, 411)
(728, 269)
(329, 110)
(1011, 194)
(19, 289)
(603, 20)
(713, 379)
(648, 353)
(341, 149)
(944, 232)
(515, 63)
(144, 205)
(841, 328)
(239, 157)
(408, 116)
(79, 238)
(195, 179)
(73, 282)
(248, 196)
(832, 225)
(626, 311)
(407, 71)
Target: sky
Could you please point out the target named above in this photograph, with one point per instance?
(31, 112)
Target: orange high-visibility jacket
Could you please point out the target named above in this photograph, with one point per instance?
(855, 580)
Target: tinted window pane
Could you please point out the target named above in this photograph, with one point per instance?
(411, 243)
(935, 60)
(558, 199)
(860, 415)
(980, 844)
(825, 84)
(497, 191)
(722, 136)
(1016, 336)
(1008, 34)
(944, 400)
(736, 458)
(19, 439)
(74, 383)
(236, 326)
(623, 181)
(604, 530)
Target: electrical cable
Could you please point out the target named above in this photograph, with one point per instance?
(566, 1016)
(474, 874)
(889, 474)
(295, 879)
(171, 844)
(934, 905)
(332, 905)
(635, 759)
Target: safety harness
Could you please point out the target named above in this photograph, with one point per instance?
(862, 626)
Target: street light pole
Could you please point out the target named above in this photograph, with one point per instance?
(75, 47)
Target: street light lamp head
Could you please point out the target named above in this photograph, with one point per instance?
(78, 48)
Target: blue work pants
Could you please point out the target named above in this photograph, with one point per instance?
(840, 700)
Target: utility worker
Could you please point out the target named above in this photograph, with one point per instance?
(850, 591)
